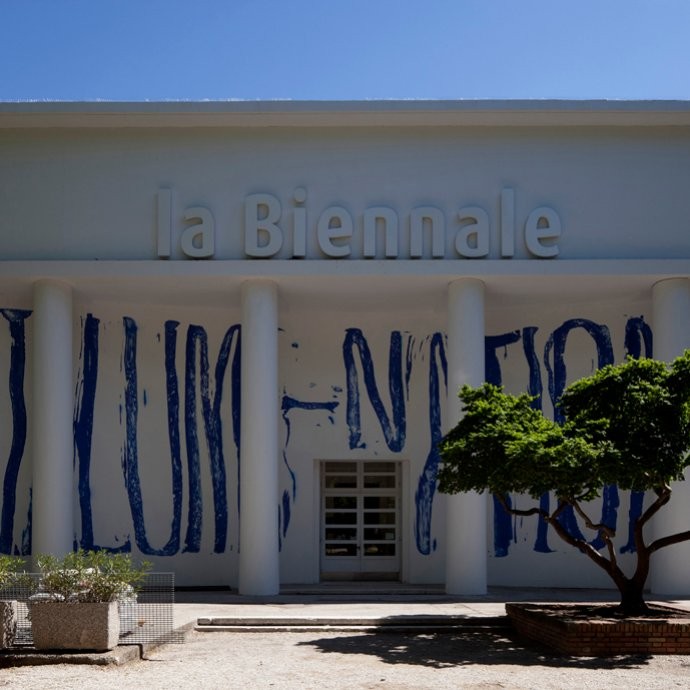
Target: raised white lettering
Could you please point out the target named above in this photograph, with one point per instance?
(299, 224)
(327, 231)
(507, 222)
(542, 224)
(432, 218)
(198, 241)
(472, 239)
(389, 219)
(261, 215)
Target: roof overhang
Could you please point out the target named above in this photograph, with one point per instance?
(393, 113)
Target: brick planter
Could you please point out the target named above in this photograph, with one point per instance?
(570, 630)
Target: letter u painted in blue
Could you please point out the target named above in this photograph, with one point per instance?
(131, 455)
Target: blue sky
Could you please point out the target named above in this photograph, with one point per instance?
(341, 50)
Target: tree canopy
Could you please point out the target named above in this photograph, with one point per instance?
(626, 424)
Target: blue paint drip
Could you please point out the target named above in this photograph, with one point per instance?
(394, 434)
(82, 425)
(26, 532)
(503, 521)
(636, 504)
(609, 513)
(173, 408)
(409, 356)
(558, 374)
(286, 513)
(131, 453)
(636, 333)
(15, 318)
(194, 509)
(535, 388)
(197, 339)
(288, 404)
(541, 545)
(492, 367)
(557, 382)
(426, 487)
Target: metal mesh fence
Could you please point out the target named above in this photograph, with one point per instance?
(145, 617)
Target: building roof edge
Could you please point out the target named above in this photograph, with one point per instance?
(386, 113)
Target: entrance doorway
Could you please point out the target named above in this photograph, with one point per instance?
(360, 520)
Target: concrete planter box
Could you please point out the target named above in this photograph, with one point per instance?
(8, 623)
(61, 625)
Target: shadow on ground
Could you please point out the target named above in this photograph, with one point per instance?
(448, 649)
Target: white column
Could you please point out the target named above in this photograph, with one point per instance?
(670, 568)
(466, 514)
(51, 418)
(259, 564)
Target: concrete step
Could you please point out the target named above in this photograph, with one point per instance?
(401, 623)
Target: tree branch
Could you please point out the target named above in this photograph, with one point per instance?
(663, 496)
(669, 540)
(606, 533)
(520, 513)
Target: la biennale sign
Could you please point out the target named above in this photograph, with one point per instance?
(271, 226)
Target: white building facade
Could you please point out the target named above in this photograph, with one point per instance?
(233, 333)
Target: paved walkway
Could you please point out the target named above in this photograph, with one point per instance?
(369, 602)
(332, 608)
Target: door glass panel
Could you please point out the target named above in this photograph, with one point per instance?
(376, 517)
(341, 533)
(374, 502)
(380, 533)
(341, 518)
(380, 467)
(341, 481)
(350, 467)
(379, 481)
(341, 502)
(341, 550)
(379, 549)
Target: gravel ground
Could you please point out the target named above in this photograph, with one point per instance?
(359, 661)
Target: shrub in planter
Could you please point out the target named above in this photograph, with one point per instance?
(77, 603)
(10, 577)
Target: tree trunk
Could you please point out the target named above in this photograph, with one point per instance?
(632, 599)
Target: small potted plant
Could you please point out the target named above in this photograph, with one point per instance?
(76, 606)
(11, 577)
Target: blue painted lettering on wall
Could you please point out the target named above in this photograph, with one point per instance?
(287, 405)
(196, 342)
(393, 432)
(203, 400)
(85, 397)
(426, 486)
(637, 332)
(196, 337)
(15, 319)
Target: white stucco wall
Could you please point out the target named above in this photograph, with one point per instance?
(83, 204)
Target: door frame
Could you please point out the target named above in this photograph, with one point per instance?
(405, 507)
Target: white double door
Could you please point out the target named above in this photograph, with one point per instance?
(360, 519)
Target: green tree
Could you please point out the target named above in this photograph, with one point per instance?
(627, 425)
